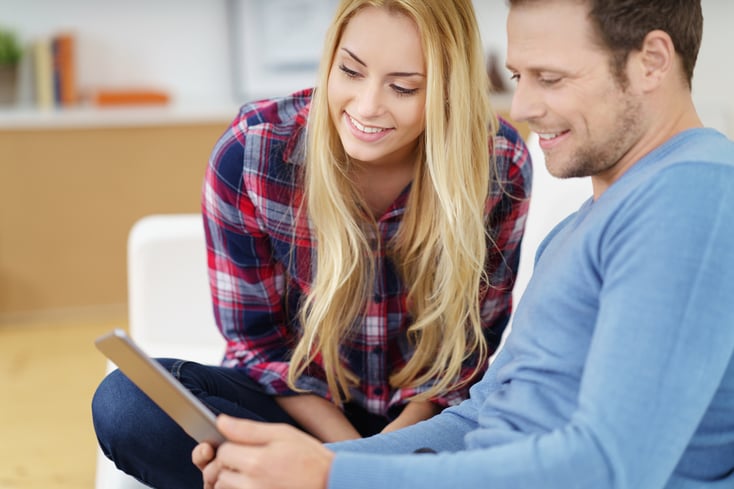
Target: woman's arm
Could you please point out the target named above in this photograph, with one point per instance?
(246, 283)
(413, 412)
(319, 417)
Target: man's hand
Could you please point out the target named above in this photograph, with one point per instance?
(263, 456)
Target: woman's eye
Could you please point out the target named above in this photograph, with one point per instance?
(515, 77)
(348, 72)
(402, 90)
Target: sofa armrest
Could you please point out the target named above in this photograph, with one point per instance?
(170, 308)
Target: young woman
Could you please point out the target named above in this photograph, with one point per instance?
(363, 239)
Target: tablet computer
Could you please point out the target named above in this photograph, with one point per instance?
(162, 387)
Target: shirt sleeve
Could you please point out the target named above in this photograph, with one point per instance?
(645, 389)
(246, 283)
(507, 210)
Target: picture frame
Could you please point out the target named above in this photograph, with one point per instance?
(276, 45)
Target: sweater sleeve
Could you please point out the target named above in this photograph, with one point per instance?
(661, 351)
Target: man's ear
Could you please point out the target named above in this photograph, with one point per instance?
(654, 62)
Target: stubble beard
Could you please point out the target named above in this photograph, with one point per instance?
(598, 156)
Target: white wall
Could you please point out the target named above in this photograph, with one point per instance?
(177, 45)
(713, 82)
(183, 45)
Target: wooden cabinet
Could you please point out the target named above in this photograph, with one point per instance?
(69, 196)
(71, 187)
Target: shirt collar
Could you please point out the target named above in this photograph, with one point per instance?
(295, 149)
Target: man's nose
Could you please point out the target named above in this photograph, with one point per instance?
(527, 103)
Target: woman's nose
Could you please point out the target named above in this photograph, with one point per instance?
(370, 102)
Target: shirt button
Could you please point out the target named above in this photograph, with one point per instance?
(377, 298)
(377, 350)
(377, 391)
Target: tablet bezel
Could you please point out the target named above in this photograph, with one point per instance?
(160, 386)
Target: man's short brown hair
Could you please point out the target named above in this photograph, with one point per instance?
(622, 25)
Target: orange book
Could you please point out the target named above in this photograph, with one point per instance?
(65, 69)
(111, 97)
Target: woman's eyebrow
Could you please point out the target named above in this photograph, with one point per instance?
(393, 74)
(355, 57)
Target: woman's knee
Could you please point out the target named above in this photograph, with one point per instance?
(119, 407)
(113, 404)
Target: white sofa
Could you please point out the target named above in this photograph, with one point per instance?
(169, 302)
(169, 306)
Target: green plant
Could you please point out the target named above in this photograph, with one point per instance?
(10, 51)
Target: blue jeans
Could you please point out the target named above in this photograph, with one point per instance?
(146, 443)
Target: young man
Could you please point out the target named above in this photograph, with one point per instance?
(619, 370)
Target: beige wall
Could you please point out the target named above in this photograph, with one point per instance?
(68, 198)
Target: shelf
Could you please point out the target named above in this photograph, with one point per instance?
(177, 113)
(29, 118)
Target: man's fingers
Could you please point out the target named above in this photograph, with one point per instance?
(232, 479)
(240, 458)
(202, 454)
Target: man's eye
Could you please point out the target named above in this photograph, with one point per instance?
(549, 81)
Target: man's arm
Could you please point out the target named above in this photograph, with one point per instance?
(663, 342)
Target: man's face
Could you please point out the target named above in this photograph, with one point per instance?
(566, 91)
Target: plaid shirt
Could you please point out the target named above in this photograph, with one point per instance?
(260, 258)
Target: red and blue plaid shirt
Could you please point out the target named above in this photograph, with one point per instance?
(260, 258)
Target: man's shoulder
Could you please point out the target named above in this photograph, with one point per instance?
(692, 174)
(682, 156)
(696, 146)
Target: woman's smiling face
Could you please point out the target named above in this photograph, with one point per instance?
(377, 87)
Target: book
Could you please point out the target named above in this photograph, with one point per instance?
(64, 62)
(43, 73)
(129, 97)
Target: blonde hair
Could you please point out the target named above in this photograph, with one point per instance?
(440, 248)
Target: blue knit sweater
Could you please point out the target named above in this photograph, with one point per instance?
(618, 371)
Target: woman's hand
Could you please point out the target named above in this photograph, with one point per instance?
(319, 417)
(413, 412)
(263, 456)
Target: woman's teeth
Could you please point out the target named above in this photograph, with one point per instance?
(368, 130)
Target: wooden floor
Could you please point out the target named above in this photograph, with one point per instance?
(48, 373)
